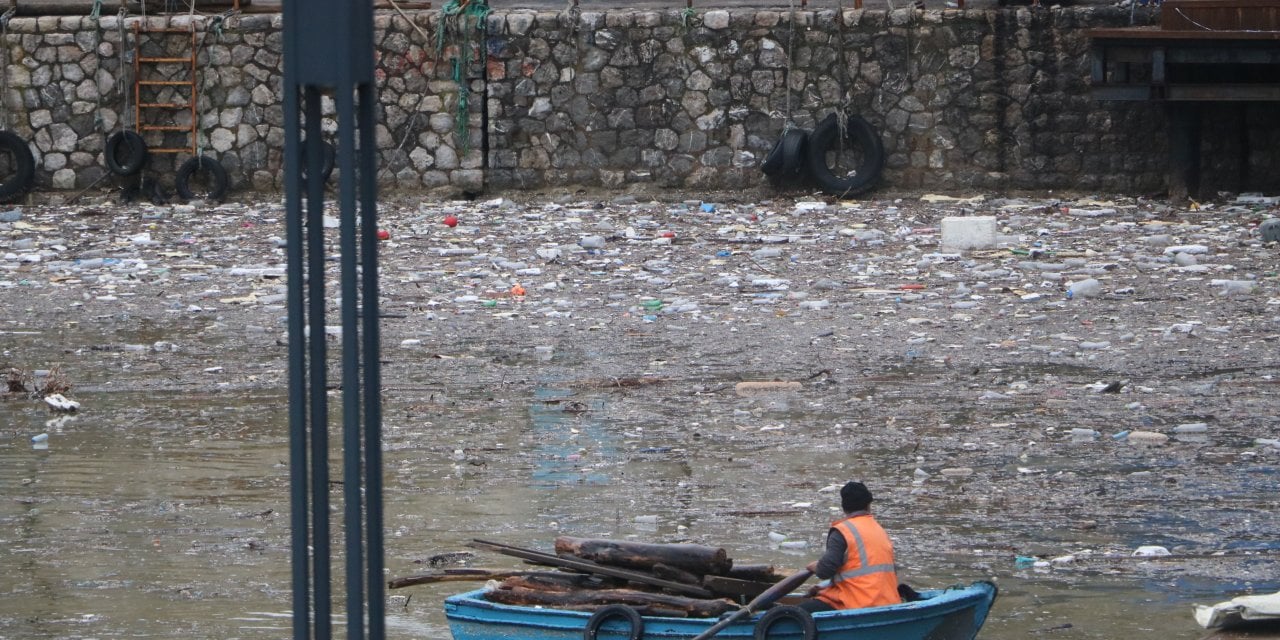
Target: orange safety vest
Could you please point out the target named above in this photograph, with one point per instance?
(867, 578)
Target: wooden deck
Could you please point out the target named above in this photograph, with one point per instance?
(1203, 50)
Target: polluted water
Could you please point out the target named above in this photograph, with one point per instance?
(704, 369)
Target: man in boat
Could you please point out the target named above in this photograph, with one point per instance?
(857, 570)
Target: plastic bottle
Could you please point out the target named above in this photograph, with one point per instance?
(1087, 288)
(43, 437)
(1270, 230)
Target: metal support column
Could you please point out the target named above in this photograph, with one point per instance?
(329, 51)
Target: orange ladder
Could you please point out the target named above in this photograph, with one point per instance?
(151, 111)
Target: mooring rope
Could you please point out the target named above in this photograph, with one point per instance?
(95, 15)
(4, 73)
(786, 81)
(121, 86)
(842, 109)
(573, 13)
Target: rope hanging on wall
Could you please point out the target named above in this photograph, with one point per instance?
(842, 61)
(460, 21)
(4, 72)
(786, 80)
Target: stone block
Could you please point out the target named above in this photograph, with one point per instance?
(716, 20)
(971, 232)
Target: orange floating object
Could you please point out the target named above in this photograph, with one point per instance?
(517, 290)
(912, 287)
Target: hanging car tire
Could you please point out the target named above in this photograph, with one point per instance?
(786, 613)
(793, 143)
(860, 135)
(126, 153)
(22, 164)
(328, 155)
(772, 163)
(212, 172)
(609, 612)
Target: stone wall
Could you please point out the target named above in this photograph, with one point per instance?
(965, 100)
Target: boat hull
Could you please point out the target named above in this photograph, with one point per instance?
(951, 614)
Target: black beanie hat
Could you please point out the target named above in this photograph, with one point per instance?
(854, 497)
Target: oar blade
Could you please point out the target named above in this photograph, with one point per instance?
(773, 593)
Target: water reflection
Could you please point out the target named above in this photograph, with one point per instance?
(569, 436)
(166, 515)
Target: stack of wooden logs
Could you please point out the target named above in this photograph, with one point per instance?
(674, 580)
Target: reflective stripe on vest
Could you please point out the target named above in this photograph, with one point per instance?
(864, 569)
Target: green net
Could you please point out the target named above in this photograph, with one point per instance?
(462, 24)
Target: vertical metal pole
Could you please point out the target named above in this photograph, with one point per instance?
(319, 400)
(351, 388)
(298, 520)
(372, 365)
(329, 47)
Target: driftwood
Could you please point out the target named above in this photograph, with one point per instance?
(618, 382)
(463, 575)
(608, 572)
(578, 564)
(755, 572)
(569, 582)
(672, 573)
(694, 558)
(692, 607)
(735, 588)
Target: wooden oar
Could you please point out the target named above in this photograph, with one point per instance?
(787, 585)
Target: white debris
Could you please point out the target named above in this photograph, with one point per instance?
(1240, 611)
(58, 402)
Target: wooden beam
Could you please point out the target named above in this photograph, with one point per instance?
(1130, 92)
(591, 567)
(1223, 92)
(471, 575)
(732, 586)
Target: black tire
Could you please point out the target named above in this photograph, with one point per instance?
(861, 137)
(328, 155)
(213, 173)
(126, 153)
(772, 163)
(22, 165)
(794, 143)
(609, 612)
(790, 613)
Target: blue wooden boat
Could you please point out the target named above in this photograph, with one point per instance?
(956, 613)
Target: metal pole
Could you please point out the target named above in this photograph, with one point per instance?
(329, 47)
(298, 520)
(351, 388)
(319, 400)
(372, 365)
